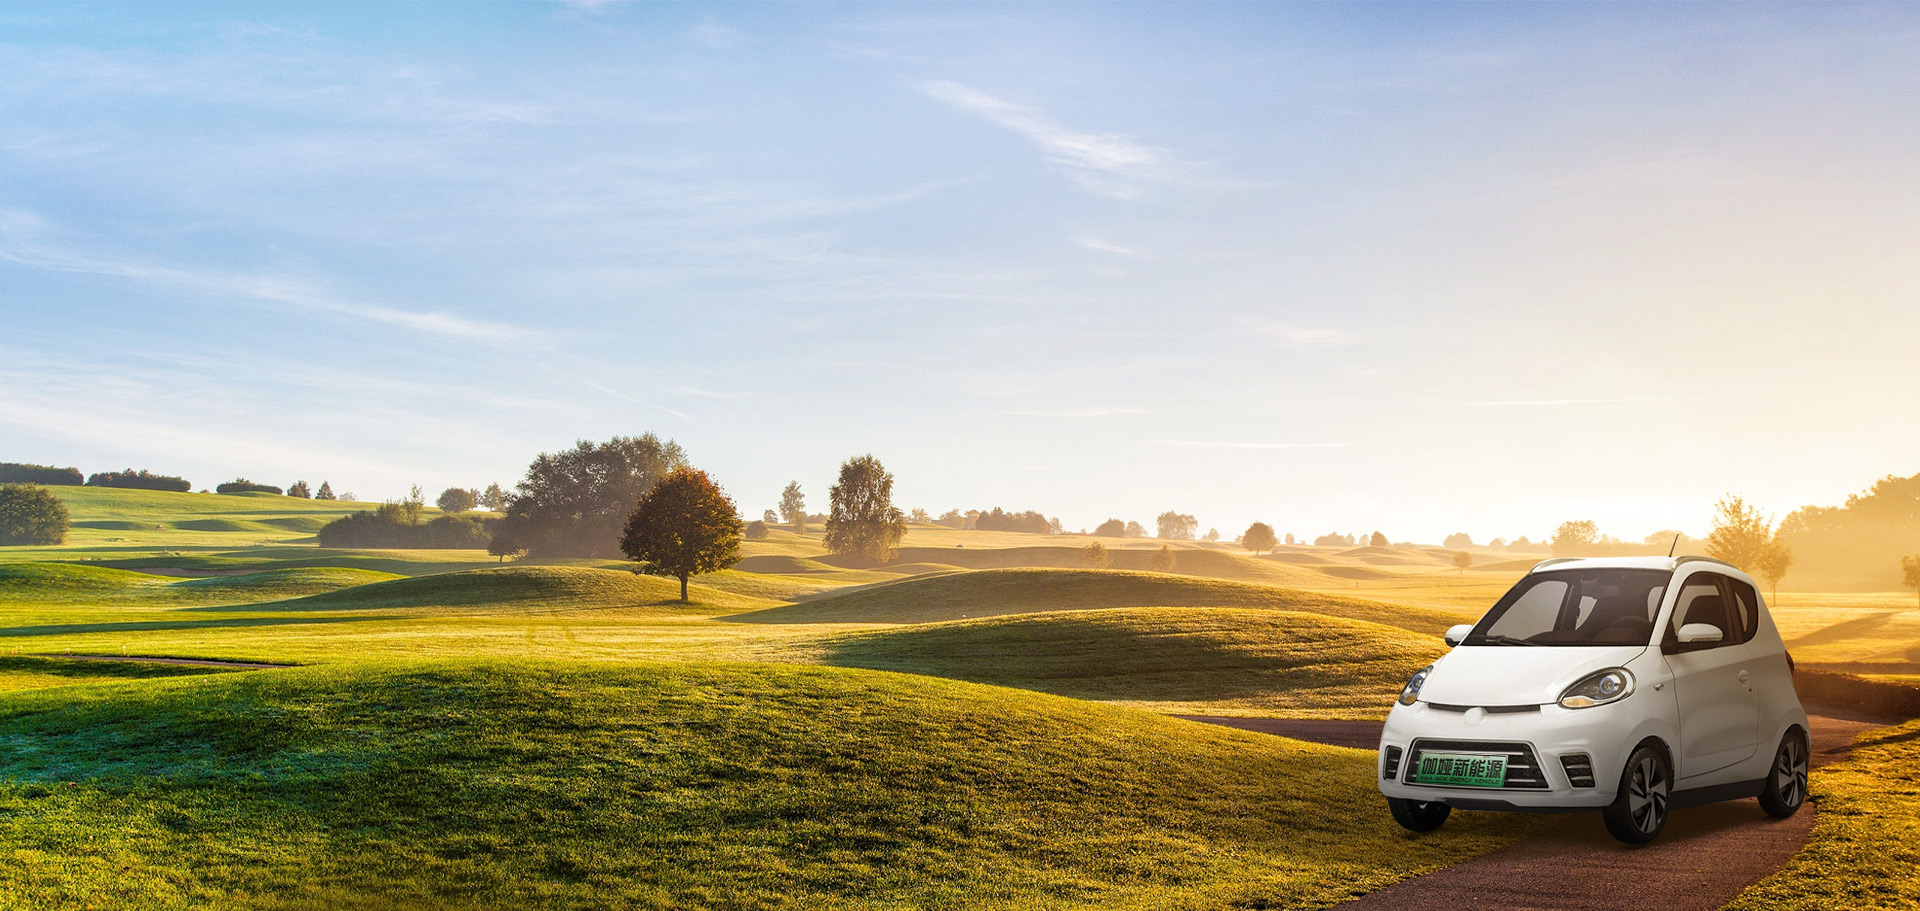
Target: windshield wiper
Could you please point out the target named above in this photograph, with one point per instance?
(1505, 640)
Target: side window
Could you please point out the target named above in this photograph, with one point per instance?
(1700, 601)
(1745, 607)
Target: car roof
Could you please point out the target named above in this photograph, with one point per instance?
(1667, 563)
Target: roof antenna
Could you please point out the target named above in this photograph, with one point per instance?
(1676, 544)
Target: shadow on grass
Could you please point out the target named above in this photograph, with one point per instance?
(62, 629)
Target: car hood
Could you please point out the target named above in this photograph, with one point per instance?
(1517, 674)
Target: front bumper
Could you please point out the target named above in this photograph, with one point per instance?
(1603, 735)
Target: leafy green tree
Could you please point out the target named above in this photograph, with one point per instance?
(1740, 535)
(1573, 539)
(1162, 560)
(864, 522)
(493, 498)
(31, 514)
(1095, 556)
(29, 473)
(504, 547)
(325, 492)
(301, 490)
(242, 485)
(575, 503)
(685, 525)
(1111, 528)
(1910, 572)
(456, 499)
(1259, 538)
(793, 507)
(1174, 526)
(1462, 560)
(414, 504)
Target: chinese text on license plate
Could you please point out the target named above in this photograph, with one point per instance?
(1473, 770)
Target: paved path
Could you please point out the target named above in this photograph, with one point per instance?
(1700, 862)
(194, 662)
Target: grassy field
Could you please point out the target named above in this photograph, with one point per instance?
(565, 734)
(1865, 846)
(530, 784)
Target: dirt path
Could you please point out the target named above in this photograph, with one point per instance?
(193, 662)
(1703, 859)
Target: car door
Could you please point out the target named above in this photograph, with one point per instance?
(1719, 714)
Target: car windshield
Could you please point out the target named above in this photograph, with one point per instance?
(1576, 607)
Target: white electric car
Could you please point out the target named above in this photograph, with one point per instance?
(1633, 686)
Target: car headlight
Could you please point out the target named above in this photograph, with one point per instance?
(1411, 692)
(1610, 685)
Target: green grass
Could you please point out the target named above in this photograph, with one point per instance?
(1865, 848)
(518, 589)
(476, 785)
(1218, 661)
(71, 584)
(989, 593)
(24, 672)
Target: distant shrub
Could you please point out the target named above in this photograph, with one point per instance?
(1095, 556)
(242, 485)
(1162, 560)
(1111, 528)
(1334, 539)
(25, 473)
(1459, 540)
(301, 490)
(387, 527)
(457, 499)
(138, 480)
(1030, 522)
(31, 514)
(756, 529)
(1879, 697)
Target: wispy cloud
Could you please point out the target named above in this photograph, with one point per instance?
(1097, 412)
(1226, 444)
(1549, 403)
(1094, 158)
(641, 402)
(1098, 245)
(707, 393)
(285, 290)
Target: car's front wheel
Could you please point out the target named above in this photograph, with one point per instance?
(1639, 812)
(1786, 786)
(1418, 816)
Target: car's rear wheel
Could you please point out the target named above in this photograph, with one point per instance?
(1786, 786)
(1639, 812)
(1418, 816)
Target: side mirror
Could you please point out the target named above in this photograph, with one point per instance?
(1457, 634)
(1698, 633)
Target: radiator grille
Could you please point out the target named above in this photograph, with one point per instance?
(1523, 767)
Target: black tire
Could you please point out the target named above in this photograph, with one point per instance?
(1418, 816)
(1639, 811)
(1786, 787)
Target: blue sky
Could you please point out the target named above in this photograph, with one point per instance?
(1422, 268)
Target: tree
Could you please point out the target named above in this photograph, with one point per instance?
(242, 485)
(686, 524)
(1095, 556)
(864, 522)
(1573, 539)
(769, 516)
(1259, 538)
(456, 499)
(29, 473)
(1135, 530)
(325, 492)
(1773, 562)
(493, 498)
(1462, 560)
(31, 514)
(1668, 540)
(793, 507)
(1174, 526)
(919, 517)
(1740, 535)
(1212, 535)
(575, 503)
(504, 547)
(1458, 541)
(415, 502)
(1111, 528)
(1378, 540)
(1290, 539)
(301, 490)
(1162, 559)
(1910, 572)
(756, 529)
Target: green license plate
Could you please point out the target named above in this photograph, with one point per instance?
(1470, 770)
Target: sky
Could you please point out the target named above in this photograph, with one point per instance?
(1419, 268)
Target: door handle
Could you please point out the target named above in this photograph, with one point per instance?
(1746, 679)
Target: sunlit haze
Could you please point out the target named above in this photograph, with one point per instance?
(1423, 269)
